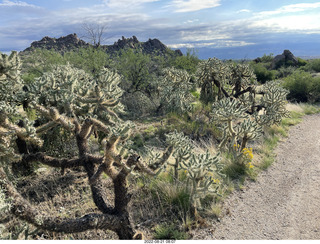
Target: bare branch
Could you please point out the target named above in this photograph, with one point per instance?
(53, 162)
(95, 33)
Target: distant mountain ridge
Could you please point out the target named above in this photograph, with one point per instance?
(73, 42)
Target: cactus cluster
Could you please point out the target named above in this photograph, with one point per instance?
(240, 106)
(88, 106)
(201, 170)
(11, 96)
(218, 79)
(71, 90)
(83, 105)
(10, 67)
(274, 103)
(175, 90)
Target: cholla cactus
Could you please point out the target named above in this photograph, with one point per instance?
(274, 103)
(175, 90)
(10, 97)
(9, 76)
(212, 76)
(73, 91)
(202, 171)
(237, 125)
(183, 148)
(70, 99)
(241, 78)
(220, 80)
(233, 87)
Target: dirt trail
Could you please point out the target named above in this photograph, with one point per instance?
(284, 202)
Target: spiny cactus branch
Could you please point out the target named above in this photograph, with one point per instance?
(22, 209)
(166, 155)
(51, 161)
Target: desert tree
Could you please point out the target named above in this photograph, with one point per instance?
(81, 104)
(95, 33)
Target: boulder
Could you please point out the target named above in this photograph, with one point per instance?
(286, 58)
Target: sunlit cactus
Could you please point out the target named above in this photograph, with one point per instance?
(240, 106)
(227, 111)
(218, 80)
(11, 97)
(175, 90)
(212, 76)
(71, 90)
(183, 149)
(273, 103)
(10, 69)
(202, 171)
(81, 104)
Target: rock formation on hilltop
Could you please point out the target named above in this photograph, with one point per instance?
(72, 42)
(62, 44)
(286, 58)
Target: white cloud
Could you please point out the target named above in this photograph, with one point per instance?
(292, 8)
(193, 5)
(191, 21)
(127, 4)
(7, 3)
(306, 23)
(215, 44)
(244, 11)
(298, 18)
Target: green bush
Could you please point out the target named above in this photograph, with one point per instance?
(302, 62)
(267, 58)
(313, 65)
(188, 62)
(285, 71)
(262, 73)
(303, 87)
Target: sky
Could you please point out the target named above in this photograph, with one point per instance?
(226, 29)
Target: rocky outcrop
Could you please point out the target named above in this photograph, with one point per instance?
(62, 44)
(71, 42)
(152, 46)
(286, 58)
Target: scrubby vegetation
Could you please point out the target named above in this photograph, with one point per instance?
(94, 145)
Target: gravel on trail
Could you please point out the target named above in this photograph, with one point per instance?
(284, 202)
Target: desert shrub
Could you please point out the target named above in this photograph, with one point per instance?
(285, 71)
(139, 105)
(134, 66)
(262, 73)
(267, 58)
(39, 61)
(187, 62)
(313, 65)
(302, 62)
(90, 59)
(301, 85)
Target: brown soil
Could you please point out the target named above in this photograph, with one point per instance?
(283, 203)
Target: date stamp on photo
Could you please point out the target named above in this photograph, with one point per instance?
(159, 241)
